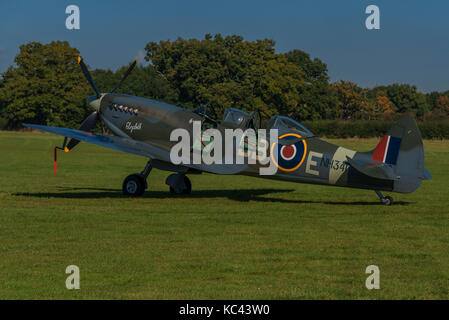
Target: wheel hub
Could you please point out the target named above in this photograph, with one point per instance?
(131, 187)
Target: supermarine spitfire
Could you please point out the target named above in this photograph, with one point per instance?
(143, 127)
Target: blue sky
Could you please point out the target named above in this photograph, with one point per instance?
(412, 45)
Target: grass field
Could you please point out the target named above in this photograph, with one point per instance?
(233, 238)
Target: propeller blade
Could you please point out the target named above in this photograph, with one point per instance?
(87, 125)
(131, 67)
(88, 76)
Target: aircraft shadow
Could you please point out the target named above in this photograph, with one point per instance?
(241, 195)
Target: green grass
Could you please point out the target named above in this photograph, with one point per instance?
(234, 237)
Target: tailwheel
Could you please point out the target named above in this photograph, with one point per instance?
(387, 201)
(134, 185)
(179, 184)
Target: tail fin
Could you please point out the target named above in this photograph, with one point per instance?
(403, 149)
(387, 151)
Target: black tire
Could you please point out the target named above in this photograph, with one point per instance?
(188, 184)
(134, 185)
(388, 201)
(188, 188)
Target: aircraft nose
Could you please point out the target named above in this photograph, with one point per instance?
(94, 102)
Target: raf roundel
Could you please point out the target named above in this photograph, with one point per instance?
(290, 157)
(288, 152)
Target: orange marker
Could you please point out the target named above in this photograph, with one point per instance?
(55, 161)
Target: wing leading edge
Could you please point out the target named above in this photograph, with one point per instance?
(135, 147)
(112, 142)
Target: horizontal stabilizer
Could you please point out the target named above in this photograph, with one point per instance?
(374, 169)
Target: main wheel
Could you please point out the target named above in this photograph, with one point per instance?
(388, 201)
(134, 185)
(188, 184)
(188, 188)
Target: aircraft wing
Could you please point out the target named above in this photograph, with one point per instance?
(112, 142)
(136, 147)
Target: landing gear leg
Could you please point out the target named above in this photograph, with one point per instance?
(146, 171)
(135, 184)
(388, 201)
(179, 183)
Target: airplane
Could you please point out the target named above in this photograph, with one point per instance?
(143, 126)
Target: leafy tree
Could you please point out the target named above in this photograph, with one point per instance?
(405, 98)
(147, 82)
(439, 105)
(353, 102)
(442, 104)
(432, 98)
(314, 70)
(143, 82)
(3, 121)
(230, 72)
(317, 96)
(105, 80)
(2, 106)
(46, 87)
(383, 107)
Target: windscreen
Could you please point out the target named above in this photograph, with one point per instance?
(287, 124)
(234, 116)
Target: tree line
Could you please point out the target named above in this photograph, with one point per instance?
(47, 86)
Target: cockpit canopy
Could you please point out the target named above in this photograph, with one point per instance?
(234, 117)
(284, 123)
(238, 119)
(206, 111)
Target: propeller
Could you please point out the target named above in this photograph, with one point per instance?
(88, 76)
(94, 101)
(87, 125)
(131, 67)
